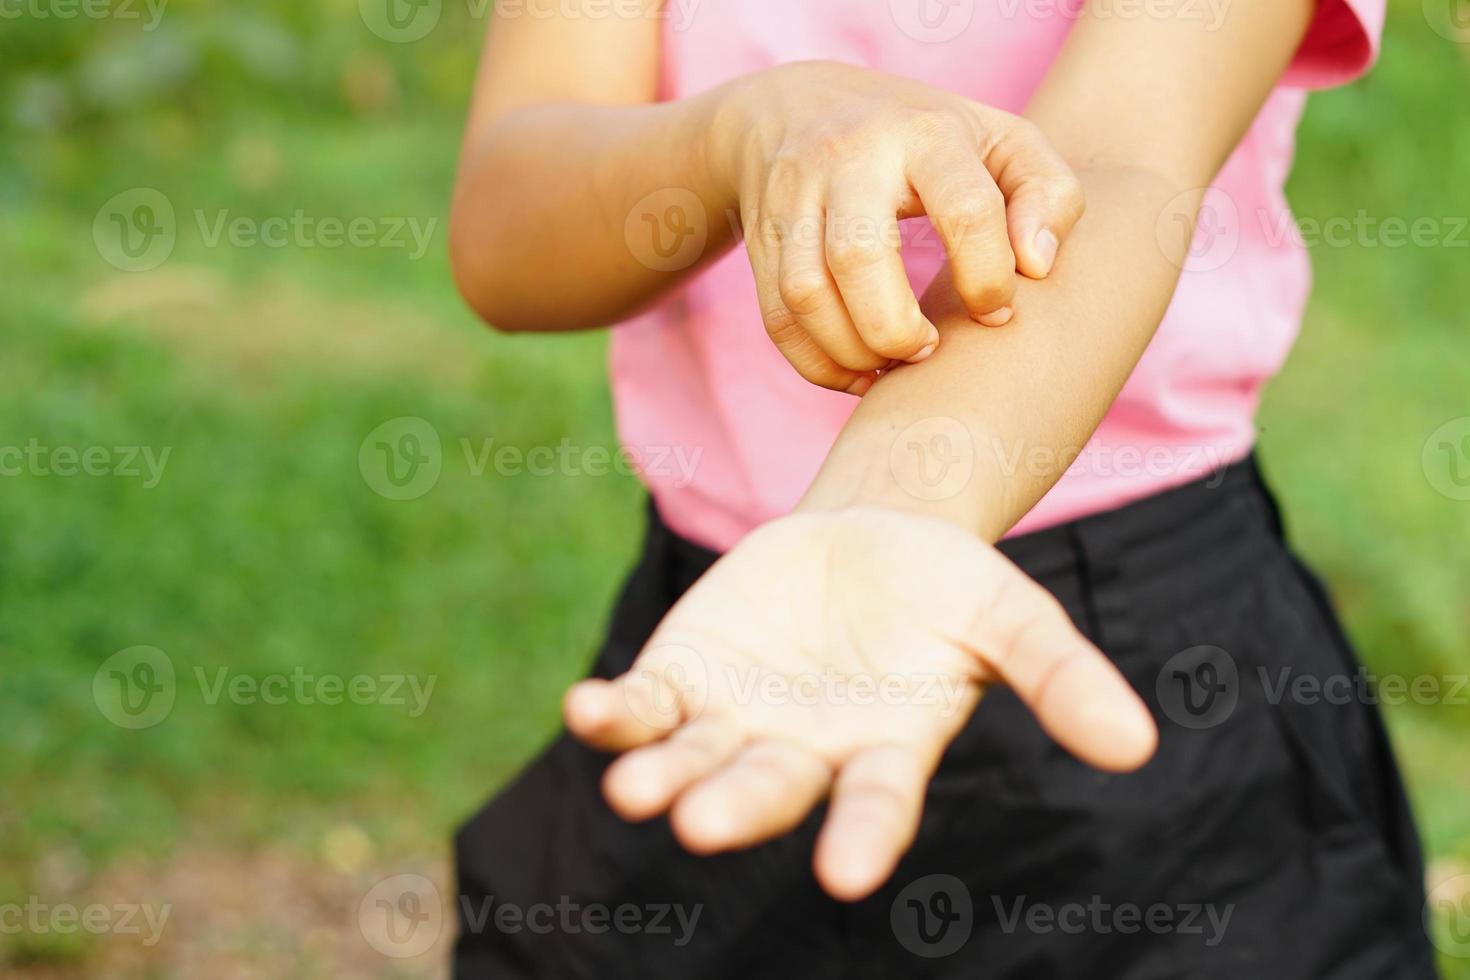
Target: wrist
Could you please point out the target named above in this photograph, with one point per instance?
(931, 467)
(725, 121)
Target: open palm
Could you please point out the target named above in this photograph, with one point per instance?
(839, 654)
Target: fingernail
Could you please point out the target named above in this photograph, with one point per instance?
(1046, 249)
(860, 386)
(999, 318)
(924, 352)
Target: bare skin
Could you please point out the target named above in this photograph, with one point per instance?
(877, 579)
(816, 162)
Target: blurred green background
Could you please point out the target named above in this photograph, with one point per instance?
(262, 550)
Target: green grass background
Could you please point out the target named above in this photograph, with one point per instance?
(263, 369)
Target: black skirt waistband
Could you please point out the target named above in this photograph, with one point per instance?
(1174, 548)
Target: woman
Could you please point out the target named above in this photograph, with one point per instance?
(1043, 492)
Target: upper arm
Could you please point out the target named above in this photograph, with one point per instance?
(1173, 90)
(539, 51)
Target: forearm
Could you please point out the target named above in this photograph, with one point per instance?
(553, 227)
(980, 431)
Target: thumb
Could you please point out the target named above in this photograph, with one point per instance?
(1026, 638)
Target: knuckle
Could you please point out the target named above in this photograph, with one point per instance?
(829, 378)
(781, 324)
(895, 339)
(701, 743)
(860, 361)
(936, 123)
(802, 292)
(856, 357)
(808, 361)
(833, 144)
(853, 254)
(784, 173)
(970, 210)
(987, 292)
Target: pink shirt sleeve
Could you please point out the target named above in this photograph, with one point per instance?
(1341, 44)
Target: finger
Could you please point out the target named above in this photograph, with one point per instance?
(1044, 198)
(862, 252)
(967, 209)
(766, 791)
(808, 290)
(642, 783)
(786, 332)
(872, 820)
(1026, 638)
(637, 708)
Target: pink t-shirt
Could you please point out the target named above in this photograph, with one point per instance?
(729, 436)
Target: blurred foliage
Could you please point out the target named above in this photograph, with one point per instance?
(207, 58)
(264, 368)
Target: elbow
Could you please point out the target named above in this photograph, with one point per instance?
(476, 263)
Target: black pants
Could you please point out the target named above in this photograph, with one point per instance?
(1268, 838)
